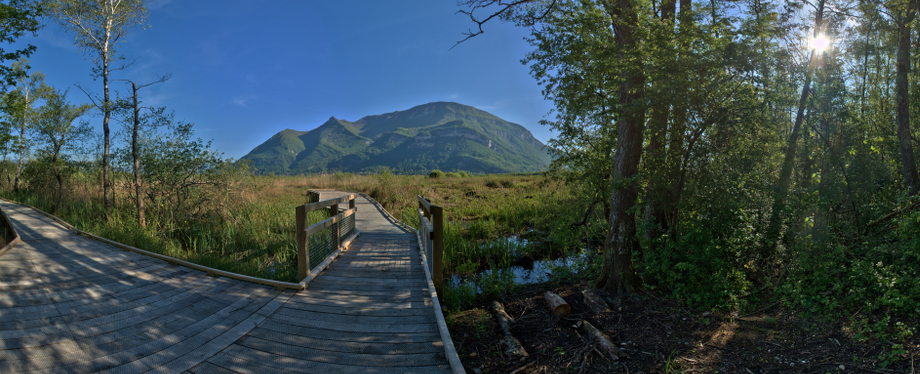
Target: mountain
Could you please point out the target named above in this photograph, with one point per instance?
(442, 135)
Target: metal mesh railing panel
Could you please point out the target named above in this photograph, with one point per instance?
(322, 244)
(347, 227)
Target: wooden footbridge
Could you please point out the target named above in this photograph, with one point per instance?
(73, 304)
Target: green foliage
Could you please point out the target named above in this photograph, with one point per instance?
(19, 17)
(186, 183)
(697, 269)
(38, 176)
(436, 174)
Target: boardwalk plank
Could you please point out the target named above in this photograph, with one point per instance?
(356, 320)
(238, 359)
(69, 304)
(350, 336)
(402, 359)
(389, 348)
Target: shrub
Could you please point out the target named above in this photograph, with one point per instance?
(436, 174)
(453, 175)
(463, 174)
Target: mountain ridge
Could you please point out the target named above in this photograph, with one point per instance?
(439, 135)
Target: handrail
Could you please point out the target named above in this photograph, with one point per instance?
(304, 270)
(432, 215)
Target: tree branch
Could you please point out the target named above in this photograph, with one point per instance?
(506, 7)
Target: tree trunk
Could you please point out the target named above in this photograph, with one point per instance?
(655, 163)
(618, 274)
(6, 161)
(908, 162)
(655, 159)
(139, 192)
(57, 175)
(107, 112)
(22, 151)
(771, 238)
(22, 140)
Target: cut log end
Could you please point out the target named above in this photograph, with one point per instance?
(556, 304)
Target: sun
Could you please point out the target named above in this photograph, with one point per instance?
(820, 43)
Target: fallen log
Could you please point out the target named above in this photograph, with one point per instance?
(513, 347)
(556, 304)
(594, 302)
(603, 341)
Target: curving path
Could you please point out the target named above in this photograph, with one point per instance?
(69, 304)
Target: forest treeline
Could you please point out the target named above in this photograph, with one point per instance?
(734, 155)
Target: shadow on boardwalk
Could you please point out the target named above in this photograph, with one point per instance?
(71, 304)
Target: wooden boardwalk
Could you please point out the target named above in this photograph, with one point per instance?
(69, 304)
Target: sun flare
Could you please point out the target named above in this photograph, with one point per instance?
(820, 43)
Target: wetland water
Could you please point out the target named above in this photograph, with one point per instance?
(525, 270)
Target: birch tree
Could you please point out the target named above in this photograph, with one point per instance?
(99, 25)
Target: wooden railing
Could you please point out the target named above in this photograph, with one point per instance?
(338, 224)
(8, 234)
(431, 238)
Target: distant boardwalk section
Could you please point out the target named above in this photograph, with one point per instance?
(70, 304)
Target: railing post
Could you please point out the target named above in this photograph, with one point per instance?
(337, 226)
(303, 244)
(351, 202)
(437, 253)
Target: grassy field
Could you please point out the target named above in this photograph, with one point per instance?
(249, 229)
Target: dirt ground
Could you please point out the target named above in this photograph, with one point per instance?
(657, 335)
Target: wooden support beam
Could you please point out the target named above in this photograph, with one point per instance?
(437, 251)
(303, 250)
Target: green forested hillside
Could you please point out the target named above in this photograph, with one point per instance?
(442, 135)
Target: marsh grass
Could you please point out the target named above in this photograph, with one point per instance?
(250, 230)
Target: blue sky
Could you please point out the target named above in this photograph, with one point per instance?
(244, 70)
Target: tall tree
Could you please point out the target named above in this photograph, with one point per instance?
(99, 25)
(54, 124)
(29, 90)
(781, 191)
(135, 119)
(903, 13)
(605, 89)
(618, 274)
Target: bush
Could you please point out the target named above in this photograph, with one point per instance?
(463, 174)
(436, 174)
(697, 269)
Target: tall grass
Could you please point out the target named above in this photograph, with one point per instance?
(253, 231)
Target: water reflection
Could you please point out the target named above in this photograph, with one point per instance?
(528, 271)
